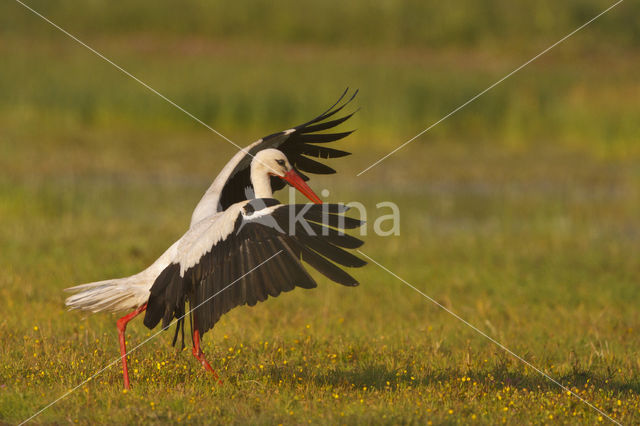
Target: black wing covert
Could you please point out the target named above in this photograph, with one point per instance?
(261, 258)
(298, 146)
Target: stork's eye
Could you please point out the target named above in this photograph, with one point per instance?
(280, 162)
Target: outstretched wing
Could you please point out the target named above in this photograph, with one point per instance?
(260, 258)
(300, 144)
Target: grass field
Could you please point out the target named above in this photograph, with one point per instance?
(519, 213)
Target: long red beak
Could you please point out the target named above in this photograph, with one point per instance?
(296, 181)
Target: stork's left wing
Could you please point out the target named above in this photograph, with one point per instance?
(260, 257)
(299, 144)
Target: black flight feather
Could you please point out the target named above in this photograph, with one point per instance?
(256, 261)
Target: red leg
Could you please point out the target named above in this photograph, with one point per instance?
(197, 352)
(122, 326)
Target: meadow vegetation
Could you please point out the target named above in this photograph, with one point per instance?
(519, 213)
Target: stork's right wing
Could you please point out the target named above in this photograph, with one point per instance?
(261, 258)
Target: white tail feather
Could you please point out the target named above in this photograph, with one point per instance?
(121, 293)
(110, 295)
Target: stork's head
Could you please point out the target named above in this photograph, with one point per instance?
(273, 162)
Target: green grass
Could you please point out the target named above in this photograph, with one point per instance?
(519, 213)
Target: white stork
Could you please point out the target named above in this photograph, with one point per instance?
(251, 170)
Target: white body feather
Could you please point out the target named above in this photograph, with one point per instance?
(203, 235)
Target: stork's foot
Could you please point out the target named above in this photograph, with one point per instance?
(197, 352)
(200, 357)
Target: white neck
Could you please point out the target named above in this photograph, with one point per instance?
(261, 182)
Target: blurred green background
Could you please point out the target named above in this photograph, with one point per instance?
(250, 68)
(520, 212)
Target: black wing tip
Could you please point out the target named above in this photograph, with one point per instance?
(356, 245)
(350, 283)
(347, 280)
(333, 109)
(337, 106)
(346, 90)
(361, 263)
(355, 93)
